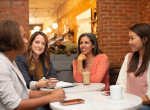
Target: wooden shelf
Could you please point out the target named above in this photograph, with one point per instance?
(95, 33)
(93, 21)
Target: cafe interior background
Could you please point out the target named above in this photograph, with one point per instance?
(109, 20)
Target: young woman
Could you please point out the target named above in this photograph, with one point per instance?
(14, 94)
(89, 58)
(134, 75)
(35, 64)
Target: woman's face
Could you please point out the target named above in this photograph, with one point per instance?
(86, 45)
(135, 42)
(38, 45)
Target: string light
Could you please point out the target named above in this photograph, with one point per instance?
(54, 25)
(44, 31)
(49, 29)
(37, 28)
(33, 31)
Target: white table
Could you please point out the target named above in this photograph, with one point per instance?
(94, 100)
(82, 88)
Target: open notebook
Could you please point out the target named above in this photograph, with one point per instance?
(62, 84)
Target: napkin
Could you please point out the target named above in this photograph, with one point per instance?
(62, 84)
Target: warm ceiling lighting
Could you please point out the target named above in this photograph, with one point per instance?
(49, 29)
(37, 28)
(33, 31)
(54, 25)
(44, 31)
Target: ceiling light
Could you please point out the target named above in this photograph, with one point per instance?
(54, 25)
(44, 31)
(37, 28)
(49, 29)
(33, 31)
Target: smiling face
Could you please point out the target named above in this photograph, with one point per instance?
(135, 42)
(38, 45)
(86, 45)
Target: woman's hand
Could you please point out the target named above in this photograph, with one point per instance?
(47, 83)
(52, 82)
(58, 95)
(81, 57)
(42, 83)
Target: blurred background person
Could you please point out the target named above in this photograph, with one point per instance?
(70, 46)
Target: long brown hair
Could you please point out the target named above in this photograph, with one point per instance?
(44, 57)
(143, 31)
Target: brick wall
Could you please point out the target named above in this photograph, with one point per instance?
(114, 19)
(144, 11)
(15, 10)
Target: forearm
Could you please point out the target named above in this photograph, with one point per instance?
(145, 100)
(79, 66)
(41, 84)
(30, 104)
(100, 73)
(99, 76)
(77, 76)
(35, 94)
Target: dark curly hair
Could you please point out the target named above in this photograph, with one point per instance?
(10, 36)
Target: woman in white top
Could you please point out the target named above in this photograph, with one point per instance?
(134, 75)
(14, 94)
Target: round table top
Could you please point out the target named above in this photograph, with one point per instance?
(94, 100)
(82, 88)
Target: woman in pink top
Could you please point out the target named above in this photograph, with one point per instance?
(89, 58)
(134, 75)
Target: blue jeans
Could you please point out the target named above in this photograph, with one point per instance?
(46, 107)
(145, 107)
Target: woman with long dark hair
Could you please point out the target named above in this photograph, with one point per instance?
(134, 75)
(89, 58)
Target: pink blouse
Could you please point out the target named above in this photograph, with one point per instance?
(99, 71)
(137, 85)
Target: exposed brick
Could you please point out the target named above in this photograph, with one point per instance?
(114, 33)
(15, 10)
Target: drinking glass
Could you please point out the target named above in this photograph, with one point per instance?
(86, 77)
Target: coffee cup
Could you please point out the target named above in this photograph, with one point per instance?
(116, 92)
(86, 77)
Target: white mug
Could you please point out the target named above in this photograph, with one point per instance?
(116, 92)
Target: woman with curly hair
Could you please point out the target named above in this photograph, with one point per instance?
(35, 64)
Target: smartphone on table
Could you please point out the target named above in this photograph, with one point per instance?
(72, 101)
